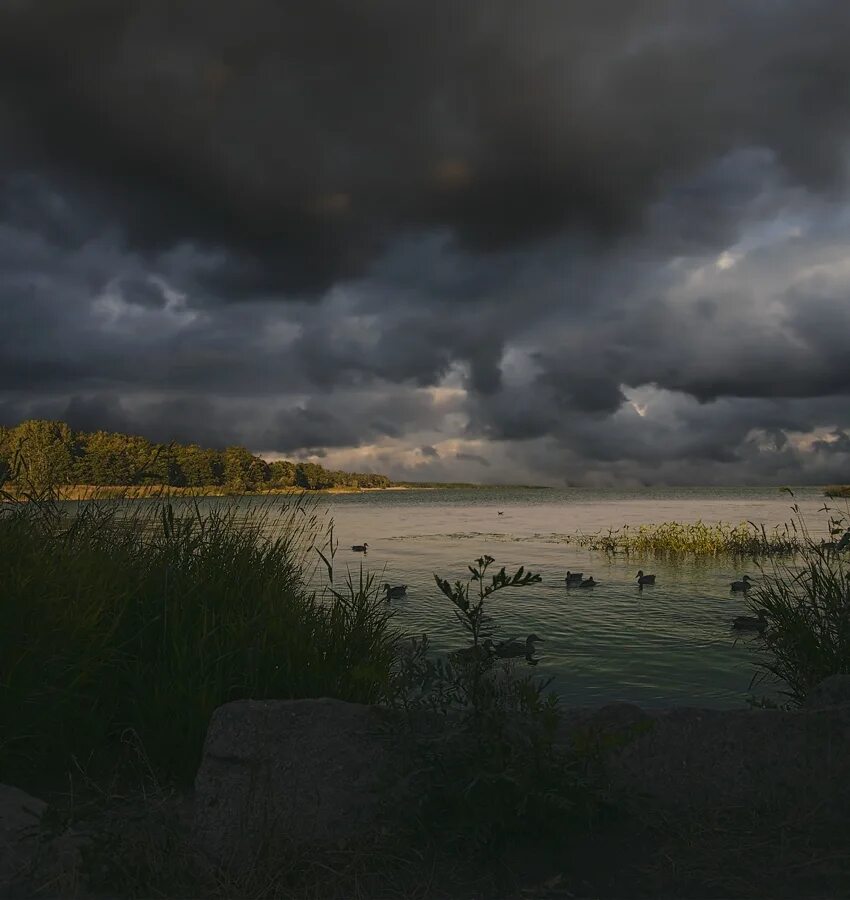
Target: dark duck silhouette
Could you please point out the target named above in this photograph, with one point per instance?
(469, 654)
(515, 647)
(750, 623)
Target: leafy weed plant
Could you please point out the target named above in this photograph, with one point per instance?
(487, 765)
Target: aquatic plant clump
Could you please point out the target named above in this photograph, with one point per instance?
(693, 538)
(837, 490)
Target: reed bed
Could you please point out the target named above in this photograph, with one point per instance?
(143, 618)
(837, 490)
(694, 539)
(806, 604)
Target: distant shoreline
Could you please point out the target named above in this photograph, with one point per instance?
(153, 491)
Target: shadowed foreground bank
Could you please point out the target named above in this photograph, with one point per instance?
(316, 798)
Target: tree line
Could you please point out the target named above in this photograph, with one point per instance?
(38, 454)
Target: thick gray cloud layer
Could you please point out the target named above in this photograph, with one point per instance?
(557, 242)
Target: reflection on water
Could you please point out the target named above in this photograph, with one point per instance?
(667, 644)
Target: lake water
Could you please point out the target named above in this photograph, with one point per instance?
(669, 644)
(666, 645)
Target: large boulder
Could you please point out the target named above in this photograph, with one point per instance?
(701, 759)
(277, 773)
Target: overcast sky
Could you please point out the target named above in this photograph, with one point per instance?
(539, 242)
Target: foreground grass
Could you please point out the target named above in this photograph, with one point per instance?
(695, 539)
(139, 846)
(116, 621)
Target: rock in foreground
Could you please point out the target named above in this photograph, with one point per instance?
(707, 759)
(279, 773)
(276, 773)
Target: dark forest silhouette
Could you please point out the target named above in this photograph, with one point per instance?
(50, 453)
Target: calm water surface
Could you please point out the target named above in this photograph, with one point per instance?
(669, 644)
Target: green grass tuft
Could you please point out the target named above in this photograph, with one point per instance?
(147, 617)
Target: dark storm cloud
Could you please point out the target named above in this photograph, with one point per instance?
(304, 138)
(473, 457)
(145, 293)
(352, 418)
(722, 444)
(574, 388)
(98, 412)
(591, 242)
(187, 420)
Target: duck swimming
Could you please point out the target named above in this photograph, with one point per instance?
(644, 579)
(514, 647)
(393, 593)
(837, 546)
(468, 654)
(750, 623)
(360, 548)
(588, 583)
(743, 585)
(574, 577)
